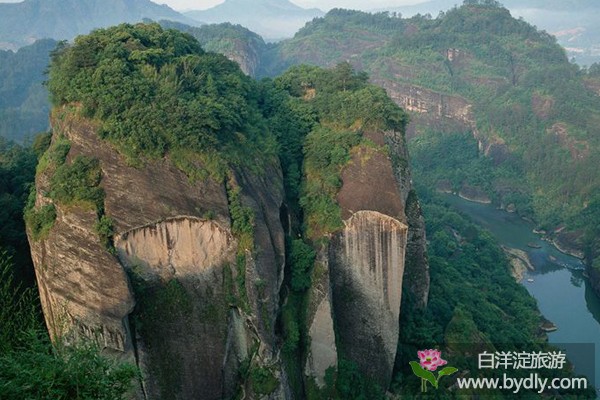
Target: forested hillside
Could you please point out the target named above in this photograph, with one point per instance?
(573, 22)
(476, 69)
(23, 99)
(233, 41)
(149, 126)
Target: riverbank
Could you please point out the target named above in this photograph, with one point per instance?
(565, 297)
(519, 261)
(560, 240)
(474, 194)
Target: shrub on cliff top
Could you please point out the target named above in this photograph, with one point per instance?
(78, 181)
(332, 108)
(156, 90)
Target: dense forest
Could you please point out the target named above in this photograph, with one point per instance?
(310, 118)
(464, 259)
(205, 99)
(533, 112)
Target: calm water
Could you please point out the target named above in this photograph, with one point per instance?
(564, 295)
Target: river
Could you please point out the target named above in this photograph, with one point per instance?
(563, 294)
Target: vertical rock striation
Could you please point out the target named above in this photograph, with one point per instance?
(358, 280)
(367, 265)
(83, 289)
(417, 263)
(170, 299)
(181, 261)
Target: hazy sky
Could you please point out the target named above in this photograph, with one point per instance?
(322, 4)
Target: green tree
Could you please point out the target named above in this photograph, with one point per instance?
(33, 368)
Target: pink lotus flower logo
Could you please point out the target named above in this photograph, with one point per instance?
(430, 360)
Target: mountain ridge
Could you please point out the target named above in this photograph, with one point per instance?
(573, 22)
(23, 23)
(478, 69)
(272, 19)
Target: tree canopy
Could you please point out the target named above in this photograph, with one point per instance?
(155, 91)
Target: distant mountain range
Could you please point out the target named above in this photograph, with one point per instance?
(272, 19)
(23, 23)
(24, 103)
(433, 7)
(573, 22)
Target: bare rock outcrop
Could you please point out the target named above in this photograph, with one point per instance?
(177, 298)
(322, 353)
(181, 261)
(429, 108)
(358, 279)
(83, 290)
(367, 266)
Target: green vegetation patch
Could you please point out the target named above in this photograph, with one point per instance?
(73, 183)
(473, 299)
(54, 155)
(40, 221)
(335, 107)
(454, 158)
(106, 230)
(162, 308)
(156, 91)
(347, 382)
(242, 226)
(263, 381)
(302, 258)
(78, 182)
(31, 367)
(17, 171)
(327, 152)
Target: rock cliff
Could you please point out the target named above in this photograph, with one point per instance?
(429, 108)
(235, 42)
(360, 273)
(367, 266)
(156, 237)
(180, 296)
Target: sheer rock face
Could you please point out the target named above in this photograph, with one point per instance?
(367, 265)
(83, 290)
(192, 252)
(429, 108)
(417, 264)
(358, 279)
(246, 54)
(174, 247)
(177, 247)
(265, 268)
(322, 353)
